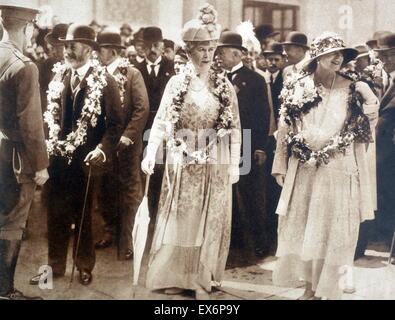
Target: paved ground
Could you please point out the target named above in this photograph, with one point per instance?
(373, 278)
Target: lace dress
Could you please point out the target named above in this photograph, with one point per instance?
(318, 231)
(192, 232)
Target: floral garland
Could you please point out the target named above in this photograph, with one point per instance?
(356, 128)
(224, 123)
(122, 77)
(298, 96)
(96, 81)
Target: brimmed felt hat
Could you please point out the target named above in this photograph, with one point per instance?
(376, 37)
(327, 43)
(204, 27)
(58, 31)
(274, 48)
(110, 39)
(230, 39)
(363, 51)
(9, 10)
(80, 33)
(387, 43)
(296, 38)
(265, 31)
(152, 34)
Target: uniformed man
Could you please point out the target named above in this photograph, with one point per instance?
(23, 154)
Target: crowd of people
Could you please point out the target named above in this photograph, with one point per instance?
(247, 143)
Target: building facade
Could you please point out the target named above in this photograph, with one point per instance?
(355, 20)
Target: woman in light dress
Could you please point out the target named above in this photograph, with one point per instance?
(323, 202)
(192, 231)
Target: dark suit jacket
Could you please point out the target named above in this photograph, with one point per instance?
(156, 87)
(385, 148)
(110, 122)
(253, 106)
(21, 123)
(136, 105)
(276, 90)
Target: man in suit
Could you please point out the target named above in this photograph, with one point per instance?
(296, 47)
(127, 175)
(156, 72)
(23, 153)
(56, 55)
(273, 75)
(67, 194)
(249, 212)
(386, 144)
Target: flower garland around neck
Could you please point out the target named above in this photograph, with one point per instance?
(224, 123)
(122, 77)
(96, 81)
(299, 101)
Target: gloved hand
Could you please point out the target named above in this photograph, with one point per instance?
(41, 177)
(280, 178)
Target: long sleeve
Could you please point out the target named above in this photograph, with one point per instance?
(114, 117)
(139, 106)
(236, 137)
(280, 163)
(30, 122)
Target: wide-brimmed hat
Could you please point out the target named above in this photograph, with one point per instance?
(274, 48)
(265, 31)
(363, 51)
(152, 34)
(230, 39)
(296, 38)
(387, 43)
(327, 43)
(58, 31)
(110, 39)
(9, 10)
(80, 33)
(376, 37)
(204, 27)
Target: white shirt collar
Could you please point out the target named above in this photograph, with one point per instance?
(81, 71)
(237, 67)
(139, 59)
(149, 63)
(113, 66)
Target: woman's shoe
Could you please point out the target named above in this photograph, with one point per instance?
(174, 291)
(201, 294)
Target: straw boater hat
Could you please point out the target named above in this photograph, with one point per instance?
(204, 27)
(328, 42)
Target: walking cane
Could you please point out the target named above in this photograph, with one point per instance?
(80, 229)
(392, 248)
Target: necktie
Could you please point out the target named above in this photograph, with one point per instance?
(271, 79)
(230, 75)
(152, 73)
(76, 81)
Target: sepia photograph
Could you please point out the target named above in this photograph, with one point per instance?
(176, 151)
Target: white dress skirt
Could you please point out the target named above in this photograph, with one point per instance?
(318, 234)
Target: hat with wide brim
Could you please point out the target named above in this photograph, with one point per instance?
(363, 51)
(10, 10)
(230, 39)
(328, 43)
(58, 31)
(296, 39)
(80, 33)
(108, 39)
(387, 43)
(265, 31)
